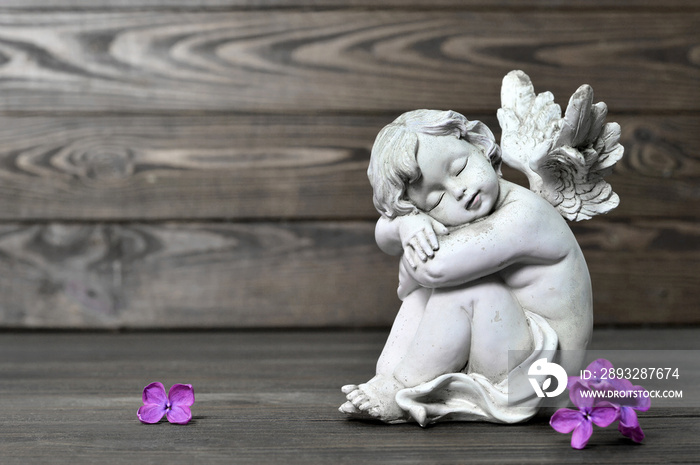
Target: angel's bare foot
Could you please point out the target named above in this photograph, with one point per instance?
(374, 399)
(349, 408)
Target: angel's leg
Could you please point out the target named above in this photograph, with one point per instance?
(403, 331)
(476, 323)
(499, 326)
(440, 345)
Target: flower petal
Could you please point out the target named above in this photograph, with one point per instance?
(596, 368)
(583, 402)
(565, 420)
(181, 395)
(604, 414)
(615, 384)
(640, 400)
(635, 433)
(629, 424)
(150, 413)
(628, 417)
(643, 402)
(627, 394)
(581, 435)
(154, 393)
(573, 380)
(179, 414)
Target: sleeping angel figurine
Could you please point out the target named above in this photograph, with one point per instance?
(491, 278)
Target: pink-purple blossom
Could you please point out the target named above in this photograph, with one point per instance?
(596, 397)
(175, 406)
(635, 398)
(581, 421)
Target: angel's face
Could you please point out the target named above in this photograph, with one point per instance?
(457, 185)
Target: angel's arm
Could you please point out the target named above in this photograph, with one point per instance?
(515, 234)
(386, 233)
(417, 231)
(461, 261)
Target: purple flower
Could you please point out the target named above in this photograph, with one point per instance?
(602, 390)
(627, 398)
(175, 406)
(581, 421)
(630, 398)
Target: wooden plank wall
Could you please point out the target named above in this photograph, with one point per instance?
(176, 164)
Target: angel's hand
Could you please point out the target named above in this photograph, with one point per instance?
(418, 233)
(411, 259)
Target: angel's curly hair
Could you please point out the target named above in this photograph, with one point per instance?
(393, 165)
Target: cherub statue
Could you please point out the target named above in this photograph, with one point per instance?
(488, 268)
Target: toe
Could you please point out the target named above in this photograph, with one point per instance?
(355, 395)
(366, 406)
(359, 400)
(348, 388)
(348, 408)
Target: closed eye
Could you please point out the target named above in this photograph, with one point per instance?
(466, 160)
(436, 203)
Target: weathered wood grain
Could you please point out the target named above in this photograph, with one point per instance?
(195, 275)
(271, 166)
(349, 60)
(152, 114)
(271, 397)
(403, 4)
(319, 274)
(186, 167)
(643, 271)
(659, 175)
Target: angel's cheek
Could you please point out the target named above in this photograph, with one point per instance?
(488, 178)
(451, 215)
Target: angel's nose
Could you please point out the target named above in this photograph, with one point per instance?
(457, 191)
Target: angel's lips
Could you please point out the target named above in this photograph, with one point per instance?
(474, 201)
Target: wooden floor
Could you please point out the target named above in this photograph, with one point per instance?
(271, 397)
